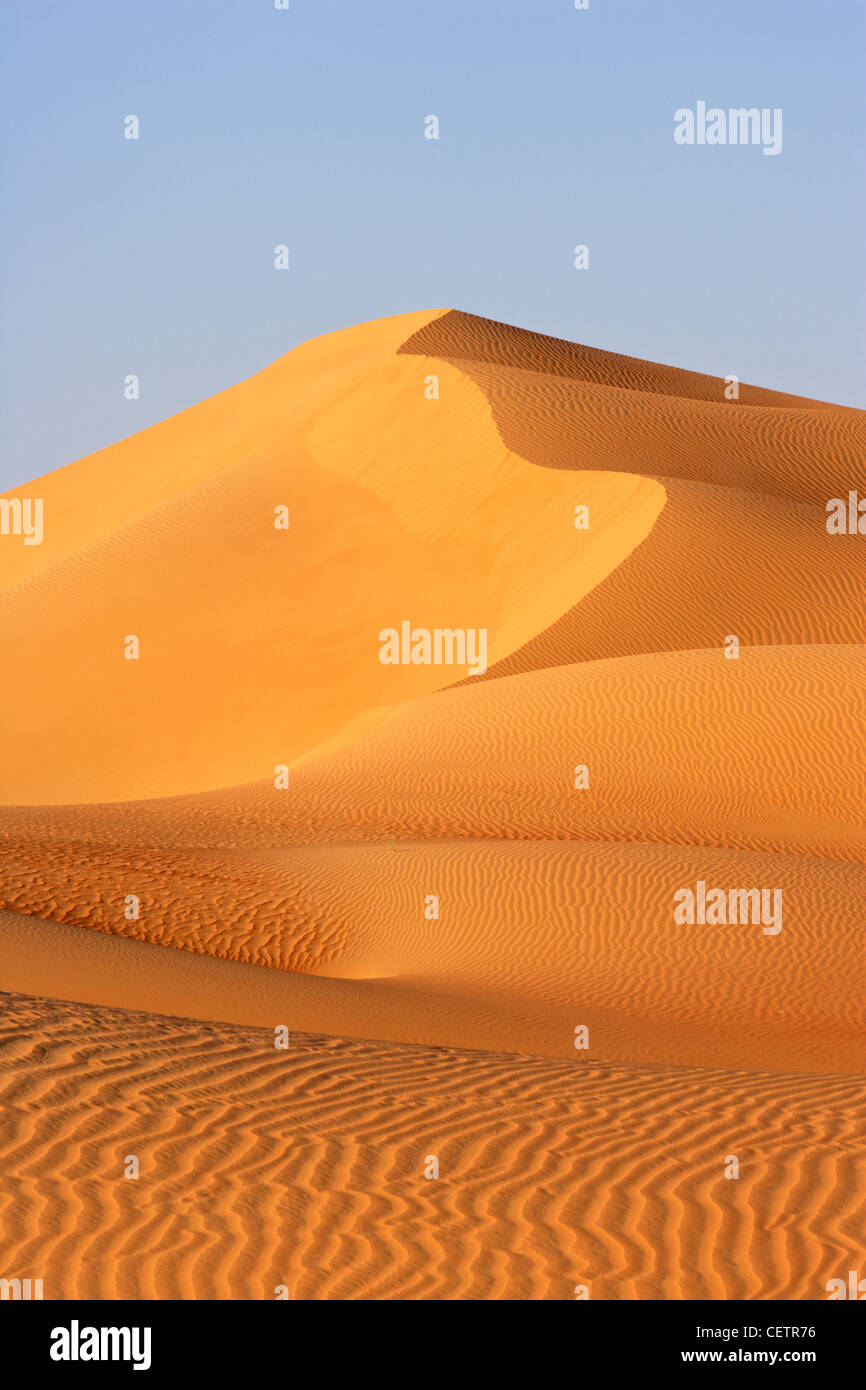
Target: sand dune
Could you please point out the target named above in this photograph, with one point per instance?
(533, 939)
(686, 748)
(256, 644)
(565, 406)
(447, 1031)
(306, 1168)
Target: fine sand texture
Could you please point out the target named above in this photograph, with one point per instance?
(516, 1067)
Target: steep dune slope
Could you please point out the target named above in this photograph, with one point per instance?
(257, 643)
(746, 484)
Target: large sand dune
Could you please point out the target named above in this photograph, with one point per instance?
(432, 905)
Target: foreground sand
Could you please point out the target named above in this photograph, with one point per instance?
(306, 1168)
(305, 906)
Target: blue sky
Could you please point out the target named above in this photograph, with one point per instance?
(306, 127)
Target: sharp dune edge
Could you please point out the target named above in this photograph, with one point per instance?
(306, 906)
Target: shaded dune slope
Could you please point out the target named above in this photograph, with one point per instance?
(568, 407)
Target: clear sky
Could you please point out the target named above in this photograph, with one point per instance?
(306, 127)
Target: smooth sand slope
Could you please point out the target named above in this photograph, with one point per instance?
(310, 905)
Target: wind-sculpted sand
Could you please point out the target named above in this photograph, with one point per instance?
(306, 1168)
(462, 899)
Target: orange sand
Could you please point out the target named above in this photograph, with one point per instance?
(305, 906)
